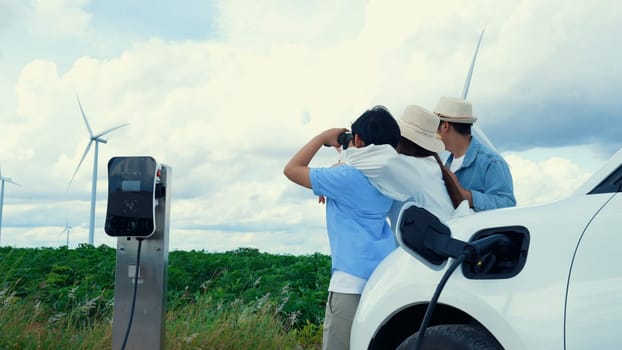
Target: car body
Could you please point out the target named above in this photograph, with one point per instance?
(566, 295)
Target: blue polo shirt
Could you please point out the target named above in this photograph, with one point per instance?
(356, 212)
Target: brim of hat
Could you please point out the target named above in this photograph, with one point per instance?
(461, 120)
(434, 145)
(429, 143)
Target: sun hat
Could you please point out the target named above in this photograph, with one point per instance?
(419, 125)
(454, 110)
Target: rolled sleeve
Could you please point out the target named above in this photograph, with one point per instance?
(498, 189)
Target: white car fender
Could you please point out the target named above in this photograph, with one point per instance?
(503, 306)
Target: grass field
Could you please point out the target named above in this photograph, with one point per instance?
(63, 299)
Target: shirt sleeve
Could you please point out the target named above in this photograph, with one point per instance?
(499, 191)
(328, 182)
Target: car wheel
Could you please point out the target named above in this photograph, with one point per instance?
(453, 337)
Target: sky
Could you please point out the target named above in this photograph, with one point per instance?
(225, 92)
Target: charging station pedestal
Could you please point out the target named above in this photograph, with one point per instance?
(139, 209)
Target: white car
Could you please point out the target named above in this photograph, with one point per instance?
(555, 282)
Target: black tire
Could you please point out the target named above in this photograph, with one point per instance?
(453, 337)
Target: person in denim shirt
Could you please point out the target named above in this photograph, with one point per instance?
(358, 232)
(483, 175)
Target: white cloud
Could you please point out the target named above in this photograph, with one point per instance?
(227, 113)
(59, 18)
(544, 181)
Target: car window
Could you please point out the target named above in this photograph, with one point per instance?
(613, 183)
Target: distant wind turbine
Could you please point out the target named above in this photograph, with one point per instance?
(67, 229)
(97, 139)
(3, 180)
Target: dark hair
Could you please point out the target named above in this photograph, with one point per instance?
(461, 128)
(410, 148)
(377, 126)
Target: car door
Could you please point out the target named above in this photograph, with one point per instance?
(593, 317)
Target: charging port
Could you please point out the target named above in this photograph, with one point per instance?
(505, 259)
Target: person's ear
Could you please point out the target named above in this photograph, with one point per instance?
(358, 142)
(442, 126)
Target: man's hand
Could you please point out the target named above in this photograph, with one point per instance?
(297, 169)
(330, 136)
(463, 191)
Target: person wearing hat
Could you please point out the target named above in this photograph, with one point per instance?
(412, 172)
(483, 176)
(358, 233)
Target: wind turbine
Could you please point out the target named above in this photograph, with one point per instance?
(3, 180)
(67, 229)
(97, 139)
(465, 91)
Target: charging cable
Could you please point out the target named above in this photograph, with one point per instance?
(471, 252)
(129, 325)
(434, 300)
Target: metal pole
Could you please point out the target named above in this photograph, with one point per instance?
(148, 325)
(93, 195)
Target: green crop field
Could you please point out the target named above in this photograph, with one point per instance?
(59, 298)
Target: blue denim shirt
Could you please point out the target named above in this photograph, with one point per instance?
(487, 176)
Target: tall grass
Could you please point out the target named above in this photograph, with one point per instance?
(202, 324)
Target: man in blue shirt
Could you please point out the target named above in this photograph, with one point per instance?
(358, 232)
(483, 176)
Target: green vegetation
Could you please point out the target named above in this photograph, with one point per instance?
(53, 298)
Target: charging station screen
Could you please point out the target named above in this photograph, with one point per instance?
(131, 185)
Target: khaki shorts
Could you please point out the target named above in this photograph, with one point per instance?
(340, 310)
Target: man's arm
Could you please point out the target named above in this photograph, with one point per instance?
(499, 190)
(297, 169)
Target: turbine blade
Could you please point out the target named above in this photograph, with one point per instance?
(7, 179)
(477, 132)
(467, 83)
(12, 182)
(482, 137)
(88, 147)
(110, 130)
(84, 117)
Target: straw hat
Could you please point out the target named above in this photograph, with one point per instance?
(419, 125)
(455, 110)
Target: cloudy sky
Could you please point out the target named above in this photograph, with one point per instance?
(225, 92)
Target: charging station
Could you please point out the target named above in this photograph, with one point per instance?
(138, 215)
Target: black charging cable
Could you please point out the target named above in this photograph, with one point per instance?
(434, 300)
(129, 325)
(470, 252)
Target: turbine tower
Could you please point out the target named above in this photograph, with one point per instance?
(3, 180)
(97, 138)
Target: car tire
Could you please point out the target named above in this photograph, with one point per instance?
(453, 337)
